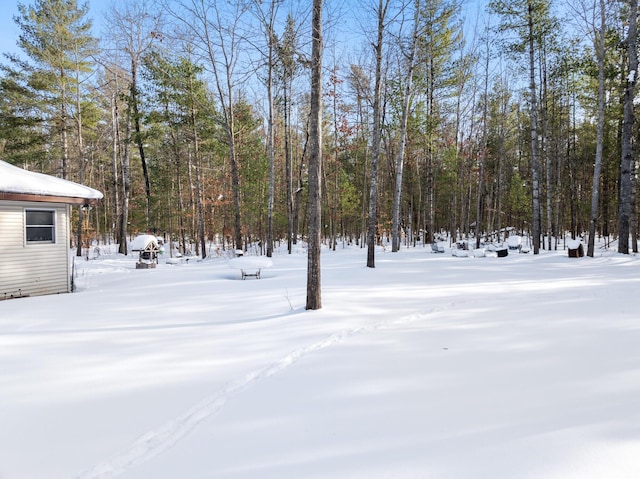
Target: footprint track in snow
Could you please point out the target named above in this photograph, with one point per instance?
(165, 436)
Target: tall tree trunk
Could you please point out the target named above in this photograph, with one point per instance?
(271, 158)
(483, 150)
(198, 166)
(315, 163)
(63, 125)
(226, 55)
(298, 194)
(633, 219)
(534, 136)
(595, 189)
(546, 147)
(133, 28)
(126, 189)
(271, 38)
(235, 180)
(178, 180)
(115, 144)
(627, 132)
(397, 196)
(81, 161)
(288, 167)
(138, 139)
(375, 147)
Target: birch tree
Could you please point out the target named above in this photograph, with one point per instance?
(378, 46)
(409, 60)
(592, 16)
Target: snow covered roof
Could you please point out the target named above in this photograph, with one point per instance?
(22, 185)
(141, 242)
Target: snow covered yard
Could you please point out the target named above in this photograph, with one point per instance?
(428, 366)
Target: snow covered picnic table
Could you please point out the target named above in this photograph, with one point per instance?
(250, 265)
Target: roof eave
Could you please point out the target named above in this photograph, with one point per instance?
(48, 198)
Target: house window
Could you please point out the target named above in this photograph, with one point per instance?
(40, 226)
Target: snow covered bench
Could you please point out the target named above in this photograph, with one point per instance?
(256, 274)
(436, 248)
(514, 242)
(459, 253)
(250, 266)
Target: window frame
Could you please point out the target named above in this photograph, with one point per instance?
(52, 226)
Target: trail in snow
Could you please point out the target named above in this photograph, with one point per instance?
(165, 436)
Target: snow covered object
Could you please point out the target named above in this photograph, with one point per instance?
(35, 211)
(147, 246)
(17, 184)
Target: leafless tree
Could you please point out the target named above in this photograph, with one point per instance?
(409, 60)
(315, 162)
(213, 29)
(381, 12)
(626, 162)
(134, 28)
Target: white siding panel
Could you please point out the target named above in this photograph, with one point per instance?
(32, 268)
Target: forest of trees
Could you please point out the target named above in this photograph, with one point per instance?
(194, 118)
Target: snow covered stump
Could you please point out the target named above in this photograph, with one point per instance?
(576, 250)
(250, 265)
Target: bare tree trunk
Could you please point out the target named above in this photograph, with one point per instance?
(534, 136)
(545, 150)
(81, 160)
(627, 132)
(63, 121)
(315, 163)
(375, 147)
(115, 133)
(196, 158)
(397, 197)
(138, 139)
(298, 193)
(483, 150)
(135, 28)
(271, 153)
(206, 23)
(633, 222)
(288, 169)
(126, 189)
(267, 19)
(595, 190)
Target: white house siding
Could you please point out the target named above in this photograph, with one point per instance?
(33, 269)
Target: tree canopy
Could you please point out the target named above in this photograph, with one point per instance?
(196, 120)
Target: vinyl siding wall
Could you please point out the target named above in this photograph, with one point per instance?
(35, 268)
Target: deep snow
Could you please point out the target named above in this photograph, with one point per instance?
(428, 366)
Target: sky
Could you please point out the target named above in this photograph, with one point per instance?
(9, 31)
